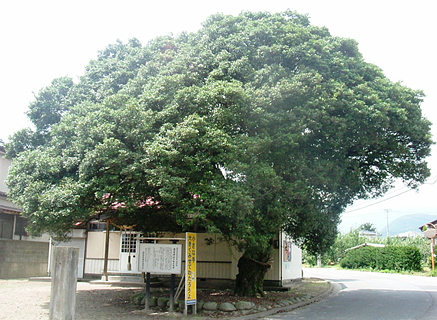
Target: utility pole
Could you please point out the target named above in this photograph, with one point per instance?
(388, 224)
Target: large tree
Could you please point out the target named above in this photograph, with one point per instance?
(254, 124)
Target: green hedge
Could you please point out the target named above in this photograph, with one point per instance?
(399, 258)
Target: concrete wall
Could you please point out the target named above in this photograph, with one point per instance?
(23, 259)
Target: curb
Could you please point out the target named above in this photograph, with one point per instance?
(289, 308)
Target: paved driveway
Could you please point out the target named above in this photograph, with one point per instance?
(368, 295)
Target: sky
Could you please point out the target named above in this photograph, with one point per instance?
(43, 40)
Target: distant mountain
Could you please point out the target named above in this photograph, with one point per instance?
(407, 223)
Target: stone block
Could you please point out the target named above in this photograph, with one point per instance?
(153, 302)
(244, 305)
(227, 307)
(162, 302)
(210, 306)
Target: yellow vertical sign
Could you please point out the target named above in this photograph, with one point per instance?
(190, 269)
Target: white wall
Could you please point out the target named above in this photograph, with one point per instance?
(291, 258)
(4, 169)
(215, 261)
(95, 251)
(78, 239)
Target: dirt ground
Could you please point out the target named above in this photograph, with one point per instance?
(23, 299)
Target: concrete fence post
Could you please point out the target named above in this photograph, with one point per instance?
(64, 283)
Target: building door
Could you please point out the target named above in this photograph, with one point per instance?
(128, 254)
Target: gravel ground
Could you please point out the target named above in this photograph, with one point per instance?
(23, 299)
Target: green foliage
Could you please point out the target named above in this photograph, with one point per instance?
(367, 227)
(353, 238)
(344, 242)
(50, 104)
(20, 141)
(365, 257)
(338, 249)
(252, 124)
(419, 242)
(398, 258)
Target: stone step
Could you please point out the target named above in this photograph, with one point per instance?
(127, 279)
(124, 278)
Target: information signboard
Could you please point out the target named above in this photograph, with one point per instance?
(190, 270)
(160, 258)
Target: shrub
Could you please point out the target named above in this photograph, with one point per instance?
(353, 238)
(364, 257)
(398, 258)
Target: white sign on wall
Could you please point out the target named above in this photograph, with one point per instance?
(160, 258)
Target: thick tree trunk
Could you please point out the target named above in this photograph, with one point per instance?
(250, 277)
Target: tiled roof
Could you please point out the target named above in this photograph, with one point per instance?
(432, 222)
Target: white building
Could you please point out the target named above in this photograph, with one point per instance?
(216, 259)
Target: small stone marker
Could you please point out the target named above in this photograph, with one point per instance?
(64, 283)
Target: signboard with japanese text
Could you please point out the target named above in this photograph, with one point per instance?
(160, 258)
(190, 269)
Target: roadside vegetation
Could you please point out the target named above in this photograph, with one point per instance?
(401, 255)
(398, 258)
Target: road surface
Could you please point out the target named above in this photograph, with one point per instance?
(370, 295)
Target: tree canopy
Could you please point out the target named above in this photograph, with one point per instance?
(253, 124)
(367, 227)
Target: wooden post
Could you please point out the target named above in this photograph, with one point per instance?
(146, 305)
(433, 252)
(172, 287)
(430, 231)
(64, 283)
(172, 292)
(105, 263)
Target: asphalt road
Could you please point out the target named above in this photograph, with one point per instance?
(373, 296)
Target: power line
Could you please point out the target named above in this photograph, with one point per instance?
(431, 182)
(385, 199)
(375, 203)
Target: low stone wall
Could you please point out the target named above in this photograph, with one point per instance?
(23, 259)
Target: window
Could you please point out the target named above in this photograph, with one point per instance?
(97, 226)
(20, 226)
(129, 242)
